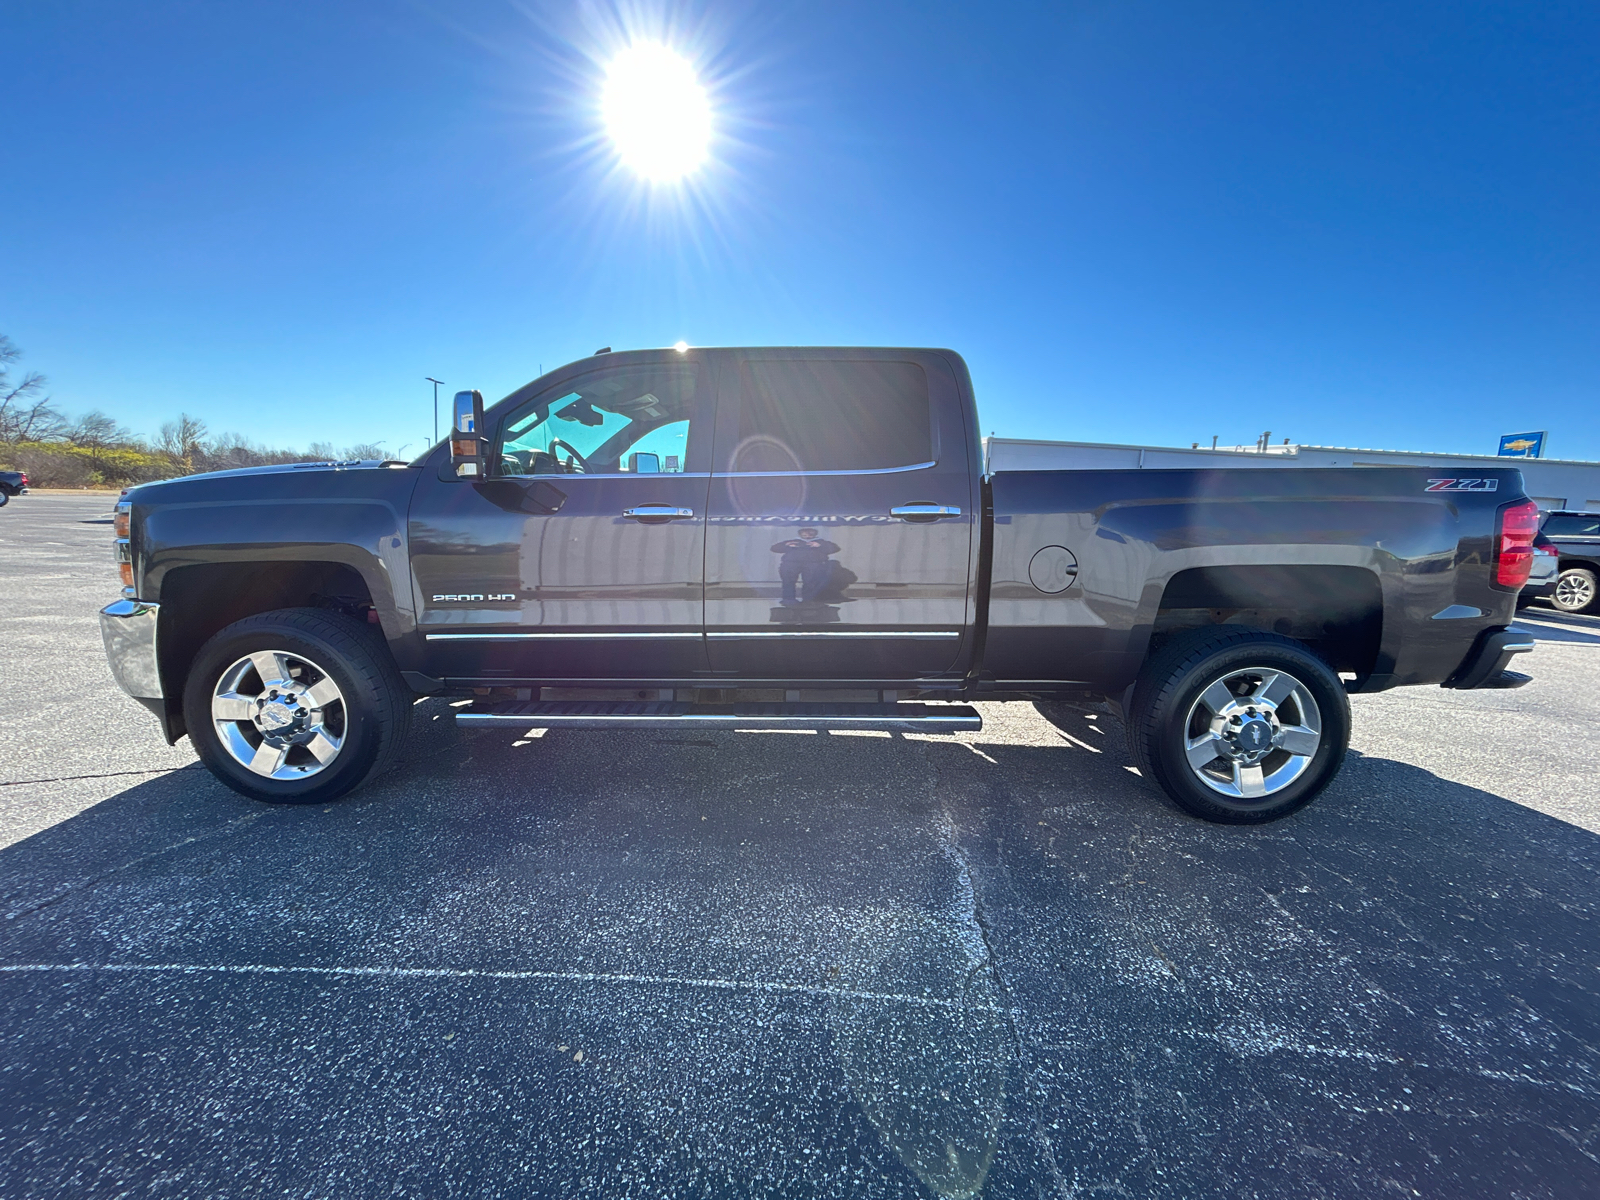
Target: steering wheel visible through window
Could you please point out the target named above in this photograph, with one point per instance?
(574, 459)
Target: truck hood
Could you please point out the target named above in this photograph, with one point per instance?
(370, 464)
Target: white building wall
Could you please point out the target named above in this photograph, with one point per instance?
(1554, 483)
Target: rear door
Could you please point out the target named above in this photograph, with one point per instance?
(840, 517)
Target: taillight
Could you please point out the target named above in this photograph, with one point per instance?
(24, 479)
(1513, 547)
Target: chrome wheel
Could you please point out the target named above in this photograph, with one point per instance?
(1252, 733)
(279, 715)
(1574, 591)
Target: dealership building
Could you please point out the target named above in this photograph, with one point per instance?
(1552, 482)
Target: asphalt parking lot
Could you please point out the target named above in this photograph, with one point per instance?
(587, 964)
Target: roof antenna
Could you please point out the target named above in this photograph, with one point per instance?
(603, 350)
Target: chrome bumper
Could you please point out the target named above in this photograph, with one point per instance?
(128, 628)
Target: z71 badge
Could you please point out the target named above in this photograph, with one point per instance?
(1462, 485)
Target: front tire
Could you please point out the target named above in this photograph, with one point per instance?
(1238, 726)
(1575, 590)
(297, 706)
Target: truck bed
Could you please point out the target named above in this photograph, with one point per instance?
(1386, 571)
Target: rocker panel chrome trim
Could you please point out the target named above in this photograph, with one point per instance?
(546, 637)
(924, 719)
(902, 635)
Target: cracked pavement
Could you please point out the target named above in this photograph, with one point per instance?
(587, 964)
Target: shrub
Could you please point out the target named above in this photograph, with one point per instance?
(55, 465)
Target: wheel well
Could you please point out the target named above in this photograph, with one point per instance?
(198, 601)
(1337, 611)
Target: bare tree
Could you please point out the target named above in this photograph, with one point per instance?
(96, 431)
(24, 416)
(366, 450)
(183, 439)
(38, 421)
(230, 450)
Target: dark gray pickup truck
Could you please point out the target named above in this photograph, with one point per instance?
(799, 538)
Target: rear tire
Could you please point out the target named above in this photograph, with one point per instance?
(1575, 590)
(5, 497)
(1238, 726)
(297, 706)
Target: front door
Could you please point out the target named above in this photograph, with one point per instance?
(581, 555)
(841, 510)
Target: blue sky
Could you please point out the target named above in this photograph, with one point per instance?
(1358, 224)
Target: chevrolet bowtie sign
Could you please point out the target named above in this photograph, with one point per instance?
(1522, 445)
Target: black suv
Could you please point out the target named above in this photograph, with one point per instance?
(1576, 536)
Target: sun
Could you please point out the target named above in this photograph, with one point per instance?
(656, 112)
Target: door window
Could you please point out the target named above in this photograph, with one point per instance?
(1559, 525)
(804, 415)
(631, 419)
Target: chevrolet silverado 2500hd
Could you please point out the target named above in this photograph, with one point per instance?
(799, 538)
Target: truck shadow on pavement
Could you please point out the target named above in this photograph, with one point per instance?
(806, 965)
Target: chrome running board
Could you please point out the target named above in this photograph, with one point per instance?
(572, 714)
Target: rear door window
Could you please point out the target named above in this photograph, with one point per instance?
(804, 415)
(1560, 525)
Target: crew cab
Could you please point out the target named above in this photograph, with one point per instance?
(799, 538)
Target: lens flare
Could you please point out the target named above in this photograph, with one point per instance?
(656, 112)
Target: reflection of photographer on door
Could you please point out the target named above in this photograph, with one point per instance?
(805, 562)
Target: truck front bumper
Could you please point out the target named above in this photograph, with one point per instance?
(128, 628)
(1486, 665)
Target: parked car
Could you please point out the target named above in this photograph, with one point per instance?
(1542, 574)
(800, 539)
(12, 483)
(1576, 537)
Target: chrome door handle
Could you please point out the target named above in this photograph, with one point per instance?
(924, 512)
(656, 514)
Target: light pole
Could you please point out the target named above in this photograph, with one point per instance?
(436, 383)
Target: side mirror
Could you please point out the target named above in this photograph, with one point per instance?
(468, 446)
(643, 461)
